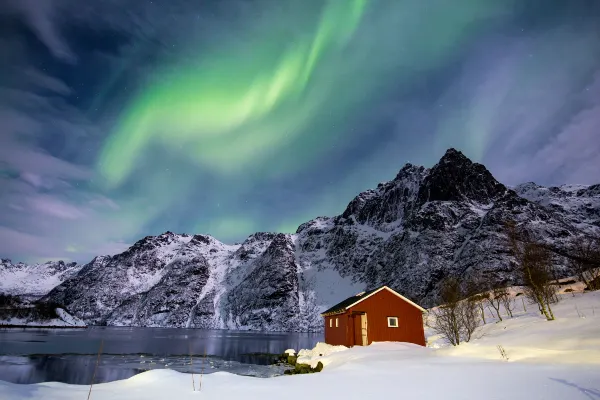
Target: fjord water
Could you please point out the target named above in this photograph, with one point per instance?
(69, 355)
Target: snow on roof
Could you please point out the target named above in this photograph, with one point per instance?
(354, 300)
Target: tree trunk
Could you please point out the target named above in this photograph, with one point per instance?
(551, 313)
(542, 305)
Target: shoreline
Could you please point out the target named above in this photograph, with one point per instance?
(44, 326)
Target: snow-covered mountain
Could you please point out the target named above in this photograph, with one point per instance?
(580, 204)
(408, 233)
(34, 280)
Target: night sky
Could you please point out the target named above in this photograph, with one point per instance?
(126, 118)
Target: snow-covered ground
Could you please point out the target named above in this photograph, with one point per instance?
(547, 360)
(573, 338)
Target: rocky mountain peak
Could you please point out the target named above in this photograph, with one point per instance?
(453, 156)
(407, 171)
(456, 178)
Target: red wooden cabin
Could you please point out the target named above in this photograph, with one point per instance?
(379, 315)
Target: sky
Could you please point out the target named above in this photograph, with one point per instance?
(126, 118)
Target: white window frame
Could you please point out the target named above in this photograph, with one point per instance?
(336, 323)
(330, 322)
(392, 319)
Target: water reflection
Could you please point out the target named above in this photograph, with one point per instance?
(32, 356)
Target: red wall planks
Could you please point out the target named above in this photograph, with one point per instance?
(378, 307)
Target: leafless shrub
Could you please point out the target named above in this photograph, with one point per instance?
(192, 369)
(95, 368)
(585, 261)
(507, 302)
(476, 294)
(523, 301)
(456, 319)
(502, 352)
(534, 264)
(494, 299)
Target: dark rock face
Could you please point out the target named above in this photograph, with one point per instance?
(456, 178)
(408, 233)
(156, 282)
(267, 298)
(171, 302)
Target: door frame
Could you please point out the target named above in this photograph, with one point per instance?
(364, 329)
(364, 334)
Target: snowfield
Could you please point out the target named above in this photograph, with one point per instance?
(547, 360)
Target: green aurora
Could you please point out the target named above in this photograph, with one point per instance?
(227, 111)
(265, 103)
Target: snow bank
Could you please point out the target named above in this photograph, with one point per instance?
(547, 360)
(359, 373)
(573, 338)
(319, 353)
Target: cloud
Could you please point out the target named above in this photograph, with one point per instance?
(524, 106)
(572, 156)
(515, 100)
(47, 82)
(51, 206)
(41, 18)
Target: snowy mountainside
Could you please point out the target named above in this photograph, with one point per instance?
(580, 204)
(408, 233)
(34, 280)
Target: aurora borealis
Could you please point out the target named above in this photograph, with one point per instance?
(230, 109)
(130, 118)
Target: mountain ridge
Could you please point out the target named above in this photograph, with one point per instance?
(408, 233)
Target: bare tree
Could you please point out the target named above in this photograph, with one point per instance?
(585, 261)
(456, 318)
(479, 301)
(533, 261)
(507, 302)
(475, 290)
(494, 299)
(469, 320)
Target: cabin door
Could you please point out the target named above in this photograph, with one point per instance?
(363, 329)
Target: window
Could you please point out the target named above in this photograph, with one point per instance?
(336, 323)
(330, 322)
(392, 322)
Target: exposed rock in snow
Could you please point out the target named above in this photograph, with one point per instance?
(31, 317)
(408, 233)
(579, 204)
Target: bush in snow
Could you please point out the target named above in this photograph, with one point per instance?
(585, 261)
(495, 298)
(534, 264)
(456, 319)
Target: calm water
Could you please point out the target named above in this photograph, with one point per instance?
(69, 355)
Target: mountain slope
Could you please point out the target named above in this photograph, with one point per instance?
(34, 280)
(579, 204)
(408, 233)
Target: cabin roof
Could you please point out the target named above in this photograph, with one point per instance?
(343, 306)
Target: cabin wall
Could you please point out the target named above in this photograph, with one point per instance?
(337, 336)
(386, 304)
